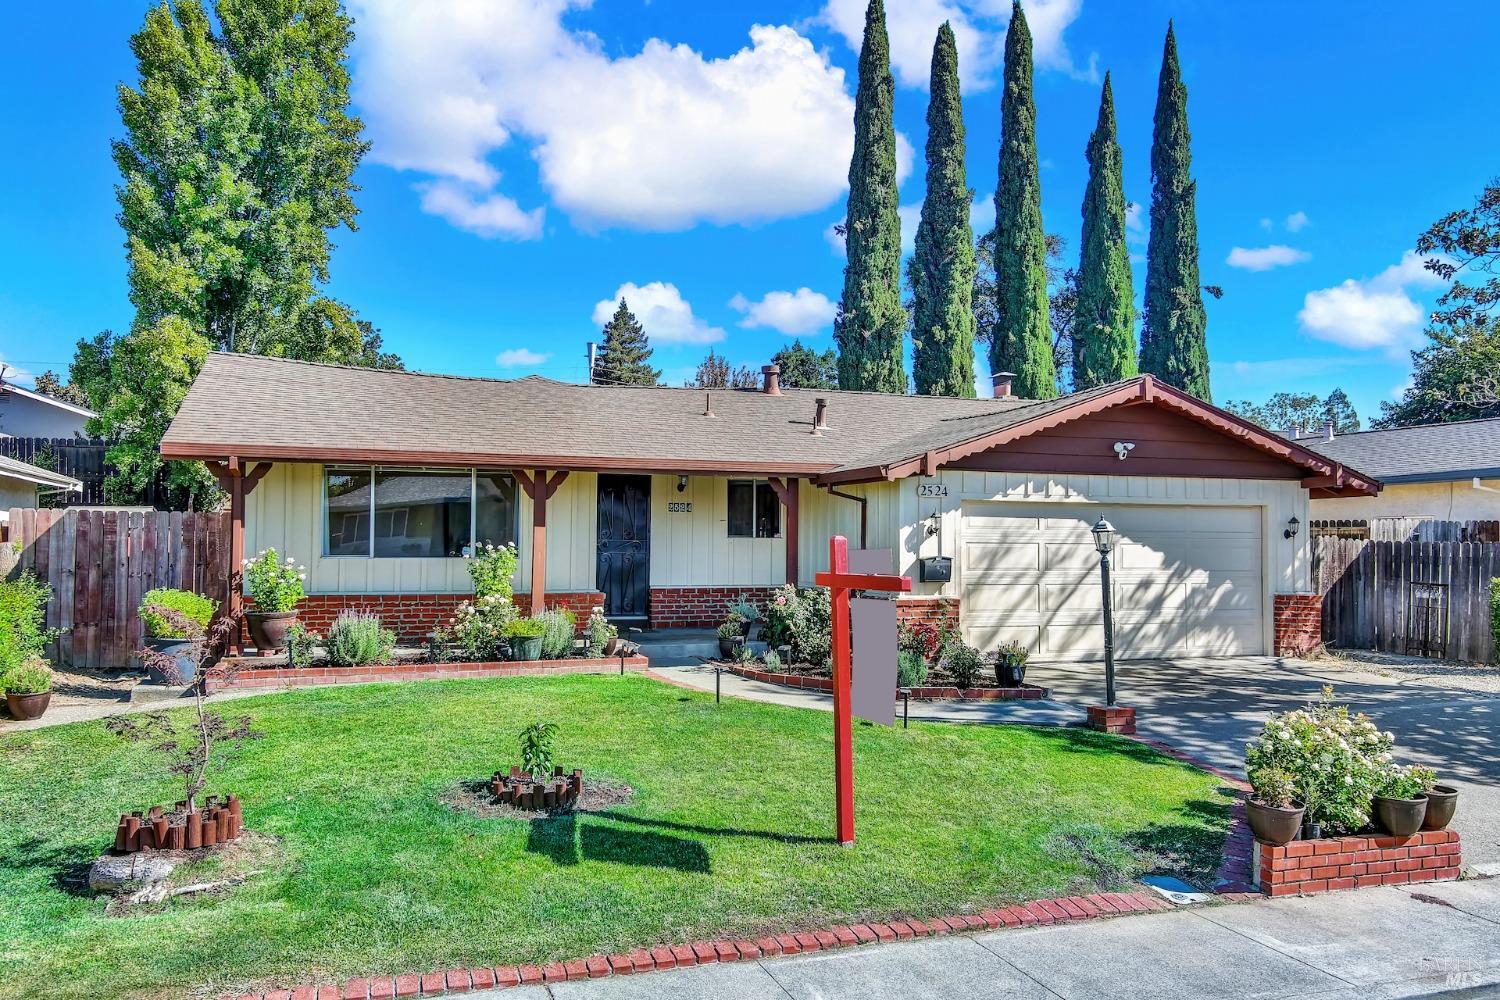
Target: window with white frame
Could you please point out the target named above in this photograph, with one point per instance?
(398, 513)
(754, 510)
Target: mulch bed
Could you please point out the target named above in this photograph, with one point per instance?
(476, 799)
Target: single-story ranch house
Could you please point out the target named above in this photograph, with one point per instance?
(662, 504)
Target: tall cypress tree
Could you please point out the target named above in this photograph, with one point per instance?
(1104, 315)
(871, 318)
(942, 268)
(624, 358)
(1022, 340)
(1174, 344)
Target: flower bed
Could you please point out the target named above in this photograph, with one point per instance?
(813, 682)
(418, 670)
(1310, 866)
(160, 829)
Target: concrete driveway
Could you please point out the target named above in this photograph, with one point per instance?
(1210, 707)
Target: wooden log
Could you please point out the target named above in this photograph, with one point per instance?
(177, 837)
(159, 831)
(210, 831)
(122, 834)
(225, 823)
(194, 836)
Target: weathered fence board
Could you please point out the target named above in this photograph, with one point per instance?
(100, 563)
(1408, 529)
(1371, 589)
(82, 459)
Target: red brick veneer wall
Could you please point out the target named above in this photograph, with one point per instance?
(926, 610)
(1308, 866)
(413, 616)
(1298, 621)
(700, 607)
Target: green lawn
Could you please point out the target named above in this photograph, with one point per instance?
(728, 833)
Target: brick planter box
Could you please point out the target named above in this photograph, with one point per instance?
(1308, 866)
(1026, 692)
(275, 677)
(1118, 719)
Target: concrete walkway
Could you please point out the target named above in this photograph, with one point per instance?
(1436, 940)
(1032, 713)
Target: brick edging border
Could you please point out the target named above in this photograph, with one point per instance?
(282, 677)
(1026, 692)
(663, 957)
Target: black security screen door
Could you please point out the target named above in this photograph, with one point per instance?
(624, 574)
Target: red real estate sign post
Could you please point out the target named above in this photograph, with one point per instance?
(840, 581)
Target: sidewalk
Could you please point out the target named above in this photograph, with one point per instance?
(1432, 940)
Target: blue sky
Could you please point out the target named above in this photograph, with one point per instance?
(532, 158)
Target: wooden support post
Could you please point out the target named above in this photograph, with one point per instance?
(787, 492)
(539, 487)
(234, 480)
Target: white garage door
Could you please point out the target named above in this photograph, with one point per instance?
(1187, 580)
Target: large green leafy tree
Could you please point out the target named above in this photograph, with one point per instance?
(942, 268)
(1302, 410)
(1062, 297)
(715, 372)
(625, 356)
(1022, 338)
(1174, 345)
(237, 162)
(871, 319)
(1104, 312)
(804, 368)
(1455, 377)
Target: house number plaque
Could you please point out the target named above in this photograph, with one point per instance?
(932, 489)
(680, 507)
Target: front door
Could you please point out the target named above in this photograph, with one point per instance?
(624, 574)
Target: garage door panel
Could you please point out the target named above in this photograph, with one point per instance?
(1187, 580)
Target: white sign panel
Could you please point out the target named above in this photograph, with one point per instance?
(873, 662)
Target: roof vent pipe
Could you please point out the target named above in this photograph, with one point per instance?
(820, 416)
(1001, 381)
(708, 404)
(1328, 431)
(771, 384)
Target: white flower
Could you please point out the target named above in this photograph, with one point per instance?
(302, 576)
(1348, 779)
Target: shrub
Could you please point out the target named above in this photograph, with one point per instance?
(731, 629)
(911, 669)
(536, 748)
(356, 638)
(561, 627)
(194, 607)
(300, 641)
(927, 639)
(1405, 782)
(23, 619)
(803, 620)
(491, 568)
(963, 663)
(772, 660)
(1337, 760)
(1274, 787)
(524, 628)
(599, 631)
(478, 626)
(30, 677)
(743, 610)
(274, 585)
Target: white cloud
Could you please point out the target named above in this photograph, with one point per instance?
(660, 140)
(1267, 225)
(519, 357)
(662, 311)
(1296, 221)
(910, 215)
(835, 238)
(978, 29)
(799, 312)
(1265, 258)
(1135, 225)
(1377, 312)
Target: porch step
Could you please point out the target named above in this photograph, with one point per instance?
(681, 647)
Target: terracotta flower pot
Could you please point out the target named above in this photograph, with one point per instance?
(182, 653)
(1402, 817)
(269, 629)
(1442, 802)
(27, 706)
(1273, 825)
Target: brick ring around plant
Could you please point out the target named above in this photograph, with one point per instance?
(521, 790)
(220, 821)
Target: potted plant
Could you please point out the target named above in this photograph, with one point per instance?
(1442, 802)
(731, 635)
(745, 614)
(28, 688)
(525, 637)
(276, 588)
(1010, 664)
(1273, 810)
(169, 635)
(1400, 802)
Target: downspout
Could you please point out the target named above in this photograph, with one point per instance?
(864, 511)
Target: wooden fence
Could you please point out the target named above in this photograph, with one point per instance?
(100, 562)
(82, 459)
(1409, 529)
(1417, 598)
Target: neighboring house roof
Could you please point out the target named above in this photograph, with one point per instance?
(263, 408)
(1426, 453)
(49, 400)
(11, 468)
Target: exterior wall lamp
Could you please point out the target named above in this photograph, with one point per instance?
(681, 484)
(1105, 536)
(1292, 527)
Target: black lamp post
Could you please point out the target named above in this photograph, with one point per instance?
(1104, 540)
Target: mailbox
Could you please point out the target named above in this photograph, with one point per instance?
(935, 569)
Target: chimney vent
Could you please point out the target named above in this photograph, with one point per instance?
(708, 404)
(820, 416)
(1328, 431)
(1002, 382)
(771, 385)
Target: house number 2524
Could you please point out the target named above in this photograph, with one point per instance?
(932, 489)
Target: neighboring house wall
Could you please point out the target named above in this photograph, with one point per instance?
(1452, 501)
(16, 493)
(22, 416)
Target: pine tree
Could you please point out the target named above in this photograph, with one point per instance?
(1022, 339)
(1174, 343)
(1104, 314)
(942, 268)
(625, 355)
(871, 318)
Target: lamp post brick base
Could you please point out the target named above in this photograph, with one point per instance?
(1115, 719)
